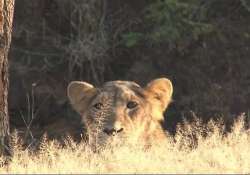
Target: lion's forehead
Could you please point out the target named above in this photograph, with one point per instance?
(118, 83)
(120, 91)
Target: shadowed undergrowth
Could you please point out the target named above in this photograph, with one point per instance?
(196, 148)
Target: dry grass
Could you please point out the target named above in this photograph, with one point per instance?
(214, 154)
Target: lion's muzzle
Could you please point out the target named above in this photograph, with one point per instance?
(112, 131)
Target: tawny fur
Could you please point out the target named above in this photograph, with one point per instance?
(122, 109)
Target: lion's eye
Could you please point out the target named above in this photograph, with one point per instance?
(98, 106)
(132, 104)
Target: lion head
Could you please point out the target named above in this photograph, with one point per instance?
(121, 108)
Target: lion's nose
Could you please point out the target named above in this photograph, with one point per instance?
(112, 131)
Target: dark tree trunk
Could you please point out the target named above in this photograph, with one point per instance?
(6, 17)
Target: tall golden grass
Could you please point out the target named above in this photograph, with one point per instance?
(194, 149)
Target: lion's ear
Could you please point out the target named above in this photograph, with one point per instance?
(79, 94)
(159, 92)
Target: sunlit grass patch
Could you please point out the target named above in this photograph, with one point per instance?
(214, 153)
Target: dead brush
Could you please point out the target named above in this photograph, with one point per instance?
(214, 153)
(89, 41)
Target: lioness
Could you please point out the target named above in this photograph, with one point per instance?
(122, 108)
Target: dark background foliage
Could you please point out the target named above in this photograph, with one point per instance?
(202, 46)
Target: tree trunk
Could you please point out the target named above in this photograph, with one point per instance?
(6, 18)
